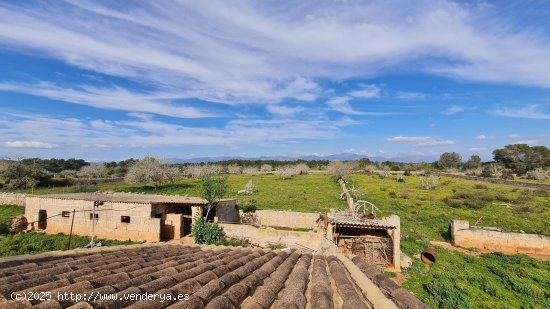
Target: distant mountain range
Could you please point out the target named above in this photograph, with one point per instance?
(332, 157)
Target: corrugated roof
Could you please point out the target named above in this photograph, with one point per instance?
(348, 220)
(212, 277)
(122, 197)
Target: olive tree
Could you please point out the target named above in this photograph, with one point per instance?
(18, 175)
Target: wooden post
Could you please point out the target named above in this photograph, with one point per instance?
(71, 233)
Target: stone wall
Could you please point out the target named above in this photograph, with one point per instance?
(108, 225)
(264, 237)
(285, 219)
(227, 211)
(493, 239)
(8, 198)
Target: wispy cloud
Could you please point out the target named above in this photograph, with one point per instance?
(410, 95)
(453, 110)
(421, 140)
(528, 112)
(115, 98)
(29, 144)
(244, 52)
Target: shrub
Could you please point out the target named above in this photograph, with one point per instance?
(468, 200)
(407, 173)
(232, 242)
(480, 186)
(537, 174)
(429, 182)
(392, 194)
(400, 179)
(205, 232)
(248, 206)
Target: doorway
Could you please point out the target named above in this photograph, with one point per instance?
(42, 219)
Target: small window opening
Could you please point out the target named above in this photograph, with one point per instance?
(92, 216)
(66, 214)
(125, 219)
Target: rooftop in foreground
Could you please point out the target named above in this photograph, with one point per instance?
(123, 197)
(214, 277)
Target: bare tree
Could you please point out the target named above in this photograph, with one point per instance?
(233, 169)
(151, 171)
(302, 168)
(341, 170)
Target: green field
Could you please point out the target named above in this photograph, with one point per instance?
(456, 280)
(30, 243)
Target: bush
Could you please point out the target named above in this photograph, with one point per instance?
(205, 232)
(248, 206)
(400, 179)
(537, 174)
(480, 186)
(232, 242)
(429, 182)
(392, 194)
(407, 173)
(468, 200)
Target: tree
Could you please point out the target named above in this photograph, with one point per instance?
(19, 175)
(213, 188)
(521, 158)
(449, 160)
(151, 171)
(474, 162)
(339, 169)
(94, 171)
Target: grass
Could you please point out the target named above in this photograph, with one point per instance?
(31, 243)
(456, 280)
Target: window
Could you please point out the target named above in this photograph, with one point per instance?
(125, 219)
(96, 216)
(66, 214)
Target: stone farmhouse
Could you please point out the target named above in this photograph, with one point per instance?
(121, 216)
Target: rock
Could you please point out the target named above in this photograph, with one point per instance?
(406, 261)
(18, 224)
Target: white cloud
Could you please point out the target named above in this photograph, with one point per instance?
(242, 52)
(116, 98)
(514, 136)
(284, 111)
(481, 137)
(528, 112)
(29, 144)
(146, 130)
(366, 92)
(453, 110)
(410, 95)
(341, 104)
(421, 140)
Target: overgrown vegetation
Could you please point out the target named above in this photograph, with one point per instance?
(205, 232)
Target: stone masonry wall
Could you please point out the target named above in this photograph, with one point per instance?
(8, 198)
(287, 219)
(264, 237)
(141, 227)
(495, 240)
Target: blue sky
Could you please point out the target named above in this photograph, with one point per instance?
(181, 79)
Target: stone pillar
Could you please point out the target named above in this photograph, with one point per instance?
(396, 241)
(457, 226)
